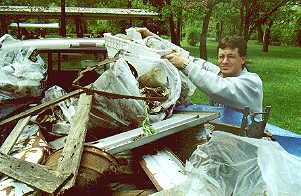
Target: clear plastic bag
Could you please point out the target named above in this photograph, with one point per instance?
(231, 165)
(21, 70)
(160, 44)
(122, 113)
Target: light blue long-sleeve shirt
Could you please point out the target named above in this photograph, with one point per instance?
(234, 92)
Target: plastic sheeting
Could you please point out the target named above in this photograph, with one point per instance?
(122, 78)
(21, 73)
(63, 113)
(122, 113)
(230, 165)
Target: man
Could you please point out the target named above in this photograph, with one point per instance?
(230, 84)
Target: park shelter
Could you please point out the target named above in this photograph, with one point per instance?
(9, 14)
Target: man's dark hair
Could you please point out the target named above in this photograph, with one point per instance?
(233, 42)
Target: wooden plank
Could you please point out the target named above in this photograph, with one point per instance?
(134, 138)
(40, 107)
(231, 128)
(13, 136)
(164, 169)
(70, 158)
(134, 193)
(32, 174)
(226, 127)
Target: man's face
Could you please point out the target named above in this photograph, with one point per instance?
(230, 62)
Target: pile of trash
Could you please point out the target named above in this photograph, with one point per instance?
(53, 140)
(139, 71)
(45, 128)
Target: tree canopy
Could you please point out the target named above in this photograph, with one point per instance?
(268, 21)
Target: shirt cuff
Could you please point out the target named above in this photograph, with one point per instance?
(193, 63)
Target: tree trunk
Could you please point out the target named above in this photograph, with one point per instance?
(4, 25)
(267, 37)
(259, 32)
(178, 29)
(203, 36)
(172, 28)
(298, 39)
(219, 30)
(63, 19)
(298, 33)
(247, 22)
(242, 17)
(79, 27)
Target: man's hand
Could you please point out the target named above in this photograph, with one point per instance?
(177, 59)
(145, 32)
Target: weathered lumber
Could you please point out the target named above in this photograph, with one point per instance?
(32, 174)
(135, 193)
(13, 136)
(226, 127)
(164, 169)
(41, 107)
(70, 158)
(119, 96)
(135, 137)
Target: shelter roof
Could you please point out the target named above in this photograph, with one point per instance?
(32, 12)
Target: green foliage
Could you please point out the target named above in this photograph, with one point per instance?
(283, 29)
(193, 37)
(146, 125)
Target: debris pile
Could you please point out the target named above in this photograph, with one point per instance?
(48, 146)
(80, 142)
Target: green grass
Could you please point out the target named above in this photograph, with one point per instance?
(280, 71)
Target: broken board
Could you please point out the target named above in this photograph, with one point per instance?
(134, 138)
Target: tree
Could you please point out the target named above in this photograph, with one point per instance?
(298, 32)
(208, 7)
(255, 13)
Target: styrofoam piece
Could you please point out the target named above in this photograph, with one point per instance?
(114, 44)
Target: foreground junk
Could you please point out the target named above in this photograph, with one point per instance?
(102, 138)
(234, 165)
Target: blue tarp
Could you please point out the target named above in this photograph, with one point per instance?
(290, 141)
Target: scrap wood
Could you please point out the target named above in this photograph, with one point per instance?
(13, 136)
(119, 96)
(32, 174)
(70, 158)
(232, 129)
(91, 68)
(134, 138)
(22, 100)
(135, 193)
(226, 127)
(164, 169)
(41, 107)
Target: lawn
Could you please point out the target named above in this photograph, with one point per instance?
(280, 71)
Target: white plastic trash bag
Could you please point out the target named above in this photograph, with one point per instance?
(121, 113)
(21, 71)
